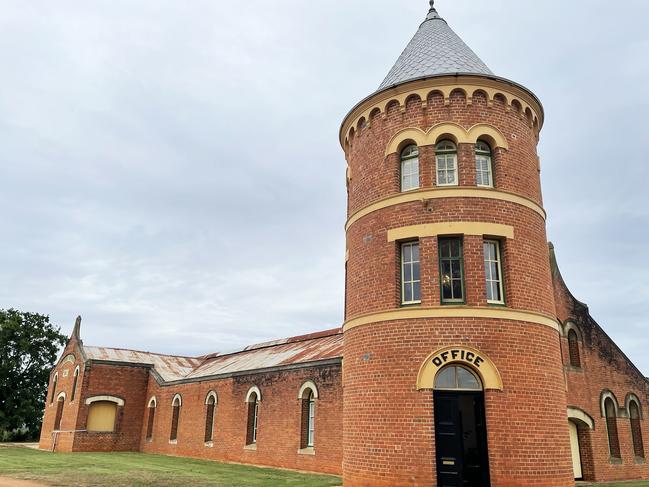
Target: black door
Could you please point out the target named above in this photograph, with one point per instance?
(461, 439)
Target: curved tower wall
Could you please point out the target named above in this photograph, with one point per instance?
(389, 436)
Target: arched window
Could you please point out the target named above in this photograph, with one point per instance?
(455, 377)
(153, 403)
(484, 171)
(611, 427)
(74, 383)
(573, 349)
(54, 383)
(252, 399)
(307, 396)
(210, 411)
(446, 161)
(410, 168)
(60, 401)
(636, 429)
(175, 417)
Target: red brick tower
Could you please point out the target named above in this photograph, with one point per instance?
(452, 367)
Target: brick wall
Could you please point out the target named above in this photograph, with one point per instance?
(603, 367)
(278, 433)
(388, 424)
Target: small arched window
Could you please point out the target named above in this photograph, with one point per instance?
(150, 418)
(636, 429)
(484, 166)
(210, 411)
(74, 384)
(455, 377)
(446, 161)
(253, 417)
(54, 383)
(573, 349)
(610, 410)
(307, 396)
(410, 168)
(175, 417)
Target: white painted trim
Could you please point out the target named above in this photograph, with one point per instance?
(212, 394)
(631, 397)
(60, 396)
(153, 400)
(116, 400)
(605, 395)
(308, 385)
(250, 391)
(571, 325)
(180, 400)
(76, 372)
(576, 413)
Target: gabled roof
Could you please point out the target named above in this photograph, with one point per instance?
(435, 50)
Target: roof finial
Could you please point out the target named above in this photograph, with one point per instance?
(432, 13)
(76, 332)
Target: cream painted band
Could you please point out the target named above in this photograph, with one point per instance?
(441, 130)
(514, 97)
(486, 369)
(576, 413)
(116, 400)
(452, 312)
(439, 193)
(451, 228)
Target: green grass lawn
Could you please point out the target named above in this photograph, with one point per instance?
(643, 483)
(142, 470)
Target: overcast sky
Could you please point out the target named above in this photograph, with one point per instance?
(171, 170)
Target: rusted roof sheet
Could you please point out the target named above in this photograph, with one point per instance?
(289, 351)
(169, 367)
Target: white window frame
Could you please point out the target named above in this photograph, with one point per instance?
(445, 153)
(498, 262)
(410, 170)
(481, 155)
(311, 426)
(412, 281)
(254, 423)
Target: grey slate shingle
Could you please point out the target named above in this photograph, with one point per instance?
(435, 50)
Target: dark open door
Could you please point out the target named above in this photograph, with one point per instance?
(460, 439)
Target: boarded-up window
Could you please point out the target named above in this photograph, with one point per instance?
(101, 417)
(573, 348)
(59, 413)
(636, 430)
(611, 427)
(175, 418)
(210, 408)
(149, 424)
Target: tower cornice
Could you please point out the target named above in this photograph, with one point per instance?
(469, 83)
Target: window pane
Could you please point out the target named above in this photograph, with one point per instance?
(466, 380)
(416, 292)
(446, 379)
(457, 290)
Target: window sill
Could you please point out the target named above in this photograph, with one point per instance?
(411, 305)
(572, 368)
(209, 444)
(149, 440)
(306, 451)
(615, 461)
(252, 447)
(173, 442)
(640, 461)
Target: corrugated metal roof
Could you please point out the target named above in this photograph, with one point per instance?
(290, 351)
(309, 348)
(435, 50)
(169, 367)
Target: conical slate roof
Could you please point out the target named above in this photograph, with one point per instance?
(434, 51)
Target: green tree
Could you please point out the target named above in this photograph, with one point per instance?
(29, 345)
